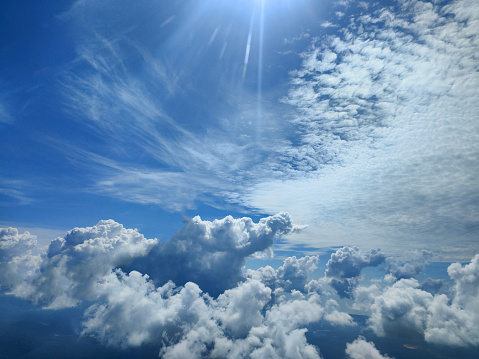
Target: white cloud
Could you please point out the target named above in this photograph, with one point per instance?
(457, 323)
(17, 262)
(401, 310)
(336, 317)
(362, 349)
(70, 269)
(405, 310)
(251, 316)
(248, 318)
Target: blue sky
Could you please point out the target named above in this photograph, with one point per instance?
(314, 108)
(358, 119)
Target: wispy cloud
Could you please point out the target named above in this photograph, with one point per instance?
(382, 140)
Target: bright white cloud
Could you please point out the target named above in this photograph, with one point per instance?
(406, 310)
(72, 266)
(253, 315)
(248, 318)
(17, 262)
(362, 349)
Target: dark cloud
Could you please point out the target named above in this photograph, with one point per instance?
(345, 265)
(432, 285)
(411, 268)
(212, 254)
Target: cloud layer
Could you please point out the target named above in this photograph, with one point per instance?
(387, 148)
(257, 313)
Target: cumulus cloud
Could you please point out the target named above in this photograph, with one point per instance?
(17, 263)
(212, 254)
(362, 349)
(432, 285)
(70, 269)
(411, 268)
(292, 275)
(187, 322)
(401, 310)
(364, 297)
(336, 317)
(457, 322)
(248, 317)
(345, 265)
(129, 309)
(405, 309)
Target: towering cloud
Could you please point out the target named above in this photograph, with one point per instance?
(345, 266)
(212, 254)
(456, 322)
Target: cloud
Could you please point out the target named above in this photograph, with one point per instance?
(386, 152)
(257, 314)
(212, 254)
(17, 263)
(292, 275)
(247, 317)
(295, 271)
(70, 269)
(345, 265)
(168, 141)
(456, 323)
(362, 349)
(401, 310)
(336, 317)
(184, 321)
(364, 297)
(406, 310)
(411, 268)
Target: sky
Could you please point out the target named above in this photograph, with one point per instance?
(239, 178)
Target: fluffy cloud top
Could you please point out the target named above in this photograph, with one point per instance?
(362, 349)
(404, 309)
(292, 275)
(72, 266)
(212, 254)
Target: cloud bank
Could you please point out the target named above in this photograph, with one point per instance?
(256, 313)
